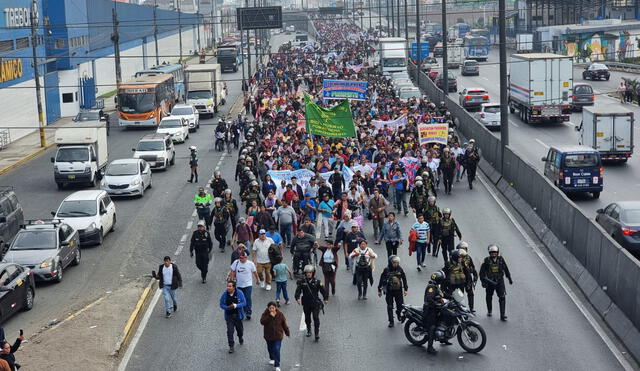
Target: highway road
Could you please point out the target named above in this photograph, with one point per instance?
(546, 328)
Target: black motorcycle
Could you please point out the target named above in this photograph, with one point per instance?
(302, 258)
(454, 320)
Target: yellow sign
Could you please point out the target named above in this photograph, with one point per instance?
(538, 93)
(565, 84)
(433, 133)
(10, 69)
(19, 283)
(599, 134)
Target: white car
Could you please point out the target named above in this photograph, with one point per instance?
(127, 177)
(92, 213)
(407, 93)
(177, 128)
(157, 150)
(489, 115)
(189, 113)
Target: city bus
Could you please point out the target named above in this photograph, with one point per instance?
(476, 47)
(145, 100)
(177, 70)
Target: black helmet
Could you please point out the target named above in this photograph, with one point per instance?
(455, 255)
(437, 277)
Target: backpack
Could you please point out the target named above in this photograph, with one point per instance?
(394, 283)
(275, 255)
(362, 262)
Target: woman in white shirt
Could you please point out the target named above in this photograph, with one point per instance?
(363, 257)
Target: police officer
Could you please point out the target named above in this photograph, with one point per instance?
(418, 198)
(428, 180)
(393, 282)
(240, 166)
(471, 159)
(433, 296)
(193, 163)
(232, 206)
(218, 185)
(307, 291)
(433, 216)
(448, 230)
(457, 273)
(202, 244)
(463, 248)
(202, 201)
(448, 168)
(220, 217)
(492, 272)
(251, 194)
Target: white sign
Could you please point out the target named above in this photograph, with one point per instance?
(18, 17)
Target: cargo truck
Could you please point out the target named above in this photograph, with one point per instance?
(229, 55)
(393, 54)
(540, 86)
(609, 130)
(82, 153)
(205, 88)
(455, 54)
(524, 43)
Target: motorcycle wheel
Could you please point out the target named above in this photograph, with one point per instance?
(475, 336)
(412, 334)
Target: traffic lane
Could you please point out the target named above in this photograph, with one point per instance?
(536, 304)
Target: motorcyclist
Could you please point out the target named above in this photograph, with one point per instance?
(433, 216)
(221, 133)
(220, 217)
(492, 272)
(463, 247)
(433, 296)
(202, 201)
(302, 246)
(448, 230)
(393, 282)
(458, 276)
(307, 291)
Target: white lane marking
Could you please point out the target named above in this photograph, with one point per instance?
(303, 326)
(592, 321)
(484, 78)
(178, 250)
(195, 213)
(541, 143)
(190, 224)
(139, 331)
(569, 124)
(183, 238)
(514, 124)
(217, 168)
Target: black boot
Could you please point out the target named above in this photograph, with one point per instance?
(470, 300)
(317, 333)
(308, 331)
(390, 316)
(503, 305)
(488, 306)
(191, 179)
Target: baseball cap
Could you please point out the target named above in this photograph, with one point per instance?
(307, 195)
(202, 223)
(262, 231)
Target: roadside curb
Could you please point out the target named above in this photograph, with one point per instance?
(26, 159)
(134, 319)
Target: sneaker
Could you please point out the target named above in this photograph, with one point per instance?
(359, 297)
(364, 298)
(272, 362)
(168, 315)
(230, 349)
(268, 287)
(248, 317)
(419, 270)
(277, 369)
(287, 302)
(423, 265)
(262, 284)
(278, 303)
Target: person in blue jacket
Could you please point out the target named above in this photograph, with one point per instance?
(232, 301)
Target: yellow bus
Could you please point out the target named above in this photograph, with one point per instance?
(145, 100)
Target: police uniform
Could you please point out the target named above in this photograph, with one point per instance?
(232, 206)
(249, 195)
(193, 163)
(203, 204)
(220, 216)
(471, 159)
(448, 230)
(418, 199)
(393, 281)
(432, 294)
(458, 276)
(448, 167)
(218, 185)
(202, 244)
(492, 273)
(468, 262)
(433, 216)
(308, 289)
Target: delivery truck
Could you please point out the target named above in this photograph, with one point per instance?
(205, 88)
(81, 154)
(609, 130)
(540, 86)
(393, 54)
(455, 54)
(524, 43)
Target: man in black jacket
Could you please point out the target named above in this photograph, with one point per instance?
(170, 279)
(393, 282)
(307, 291)
(202, 244)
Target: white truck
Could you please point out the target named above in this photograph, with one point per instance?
(608, 129)
(205, 87)
(524, 43)
(81, 154)
(540, 86)
(455, 54)
(393, 54)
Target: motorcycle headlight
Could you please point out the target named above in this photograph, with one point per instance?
(47, 263)
(136, 182)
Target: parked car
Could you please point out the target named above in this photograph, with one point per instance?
(438, 50)
(400, 75)
(91, 115)
(17, 289)
(489, 115)
(595, 71)
(452, 82)
(157, 149)
(575, 169)
(189, 113)
(621, 220)
(127, 177)
(11, 217)
(289, 29)
(473, 97)
(582, 96)
(177, 128)
(470, 67)
(45, 247)
(92, 213)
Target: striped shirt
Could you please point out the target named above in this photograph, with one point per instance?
(423, 231)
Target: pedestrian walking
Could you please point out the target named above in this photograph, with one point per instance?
(280, 271)
(400, 186)
(275, 328)
(622, 88)
(170, 280)
(326, 216)
(233, 302)
(377, 213)
(424, 235)
(193, 163)
(393, 283)
(202, 245)
(307, 291)
(363, 257)
(243, 271)
(329, 265)
(391, 235)
(202, 201)
(261, 258)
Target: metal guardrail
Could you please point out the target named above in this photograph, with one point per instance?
(615, 66)
(5, 138)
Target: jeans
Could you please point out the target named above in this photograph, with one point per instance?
(169, 298)
(377, 227)
(392, 248)
(285, 232)
(234, 323)
(282, 287)
(203, 214)
(274, 351)
(421, 252)
(247, 295)
(400, 199)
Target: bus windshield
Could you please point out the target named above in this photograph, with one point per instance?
(137, 103)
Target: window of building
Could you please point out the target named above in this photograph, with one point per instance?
(6, 45)
(22, 43)
(622, 3)
(67, 98)
(59, 44)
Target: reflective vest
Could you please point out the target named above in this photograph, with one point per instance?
(447, 227)
(456, 276)
(204, 200)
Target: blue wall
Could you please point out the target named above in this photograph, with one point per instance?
(67, 21)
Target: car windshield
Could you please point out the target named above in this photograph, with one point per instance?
(406, 94)
(583, 89)
(631, 216)
(227, 52)
(182, 111)
(199, 94)
(119, 169)
(77, 208)
(598, 66)
(150, 145)
(581, 160)
(492, 109)
(35, 240)
(88, 116)
(170, 123)
(72, 155)
(393, 62)
(471, 63)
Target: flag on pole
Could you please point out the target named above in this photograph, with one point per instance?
(336, 122)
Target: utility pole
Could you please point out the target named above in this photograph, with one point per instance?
(504, 100)
(36, 73)
(369, 7)
(155, 30)
(445, 70)
(180, 29)
(406, 23)
(418, 52)
(244, 81)
(380, 13)
(246, 4)
(198, 25)
(393, 20)
(398, 16)
(115, 37)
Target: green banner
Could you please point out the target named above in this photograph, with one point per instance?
(336, 122)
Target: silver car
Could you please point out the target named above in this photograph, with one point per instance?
(127, 177)
(189, 113)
